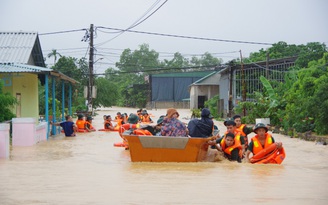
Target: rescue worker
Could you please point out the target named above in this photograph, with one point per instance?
(260, 141)
(231, 147)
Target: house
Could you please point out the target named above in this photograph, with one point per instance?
(22, 67)
(204, 89)
(172, 89)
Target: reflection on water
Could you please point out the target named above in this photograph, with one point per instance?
(89, 170)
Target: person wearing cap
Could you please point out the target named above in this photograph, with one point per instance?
(231, 128)
(88, 124)
(68, 126)
(145, 117)
(243, 129)
(108, 123)
(80, 122)
(260, 141)
(230, 146)
(172, 126)
(202, 128)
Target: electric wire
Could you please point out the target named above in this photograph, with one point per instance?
(136, 23)
(187, 37)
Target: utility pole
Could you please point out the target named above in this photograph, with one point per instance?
(90, 70)
(243, 82)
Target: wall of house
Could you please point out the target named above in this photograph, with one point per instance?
(202, 90)
(224, 93)
(26, 85)
(193, 94)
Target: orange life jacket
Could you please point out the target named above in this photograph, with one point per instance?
(142, 132)
(146, 118)
(119, 121)
(89, 125)
(237, 144)
(241, 129)
(257, 146)
(107, 122)
(80, 124)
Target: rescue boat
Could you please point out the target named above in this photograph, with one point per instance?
(166, 149)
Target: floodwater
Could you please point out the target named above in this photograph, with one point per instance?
(88, 169)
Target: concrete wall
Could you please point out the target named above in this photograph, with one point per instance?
(202, 90)
(26, 85)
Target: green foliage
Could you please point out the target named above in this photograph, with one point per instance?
(308, 98)
(6, 102)
(106, 93)
(305, 53)
(212, 105)
(196, 113)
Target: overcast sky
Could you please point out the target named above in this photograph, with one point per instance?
(259, 21)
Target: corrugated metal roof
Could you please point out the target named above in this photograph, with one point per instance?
(184, 74)
(19, 47)
(21, 68)
(198, 82)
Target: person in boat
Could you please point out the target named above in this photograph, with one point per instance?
(155, 130)
(88, 124)
(80, 122)
(243, 129)
(68, 126)
(172, 126)
(108, 123)
(145, 117)
(230, 146)
(201, 128)
(260, 141)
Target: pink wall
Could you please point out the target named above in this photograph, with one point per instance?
(4, 140)
(27, 133)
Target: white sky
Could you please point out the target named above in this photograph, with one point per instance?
(267, 21)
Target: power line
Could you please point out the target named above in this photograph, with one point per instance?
(136, 23)
(59, 32)
(187, 37)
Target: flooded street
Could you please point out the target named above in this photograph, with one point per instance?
(88, 169)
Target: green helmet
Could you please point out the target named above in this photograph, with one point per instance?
(260, 125)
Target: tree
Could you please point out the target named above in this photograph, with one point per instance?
(54, 54)
(106, 93)
(133, 67)
(178, 61)
(6, 102)
(307, 99)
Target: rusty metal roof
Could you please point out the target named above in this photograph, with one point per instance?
(21, 47)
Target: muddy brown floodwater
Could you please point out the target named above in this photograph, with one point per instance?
(88, 169)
